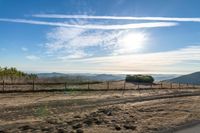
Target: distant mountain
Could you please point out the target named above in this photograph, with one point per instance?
(161, 77)
(49, 75)
(85, 76)
(193, 78)
(107, 77)
(101, 77)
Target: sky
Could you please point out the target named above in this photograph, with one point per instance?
(101, 36)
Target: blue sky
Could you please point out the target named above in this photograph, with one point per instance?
(104, 36)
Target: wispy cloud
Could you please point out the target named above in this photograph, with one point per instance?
(166, 57)
(183, 60)
(118, 17)
(66, 43)
(69, 44)
(2, 49)
(24, 49)
(78, 54)
(150, 62)
(94, 26)
(32, 57)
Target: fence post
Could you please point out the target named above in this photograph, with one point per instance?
(33, 85)
(124, 85)
(88, 85)
(179, 85)
(65, 85)
(108, 85)
(161, 86)
(151, 85)
(138, 86)
(3, 85)
(171, 85)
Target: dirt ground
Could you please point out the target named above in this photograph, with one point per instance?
(98, 112)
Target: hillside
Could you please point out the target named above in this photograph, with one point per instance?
(193, 78)
(100, 77)
(85, 76)
(48, 75)
(161, 77)
(106, 77)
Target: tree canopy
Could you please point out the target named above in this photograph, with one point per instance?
(140, 78)
(13, 74)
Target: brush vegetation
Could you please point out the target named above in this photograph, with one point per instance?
(139, 78)
(12, 74)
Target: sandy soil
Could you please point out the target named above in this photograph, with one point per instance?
(98, 112)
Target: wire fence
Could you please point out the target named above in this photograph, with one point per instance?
(89, 86)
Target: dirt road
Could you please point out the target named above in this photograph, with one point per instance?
(100, 112)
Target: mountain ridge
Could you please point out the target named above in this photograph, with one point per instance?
(102, 77)
(193, 78)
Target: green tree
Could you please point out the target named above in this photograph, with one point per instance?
(140, 78)
(14, 74)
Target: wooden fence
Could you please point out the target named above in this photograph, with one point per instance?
(88, 86)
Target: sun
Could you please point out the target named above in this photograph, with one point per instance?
(132, 42)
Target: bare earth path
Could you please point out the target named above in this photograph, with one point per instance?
(110, 112)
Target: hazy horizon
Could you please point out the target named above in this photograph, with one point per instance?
(109, 73)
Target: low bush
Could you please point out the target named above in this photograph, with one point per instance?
(140, 78)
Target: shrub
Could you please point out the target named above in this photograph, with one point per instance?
(13, 74)
(140, 78)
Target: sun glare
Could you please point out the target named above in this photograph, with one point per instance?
(132, 42)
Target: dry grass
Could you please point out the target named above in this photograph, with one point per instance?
(97, 111)
(114, 85)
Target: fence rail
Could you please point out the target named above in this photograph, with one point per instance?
(47, 83)
(88, 86)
